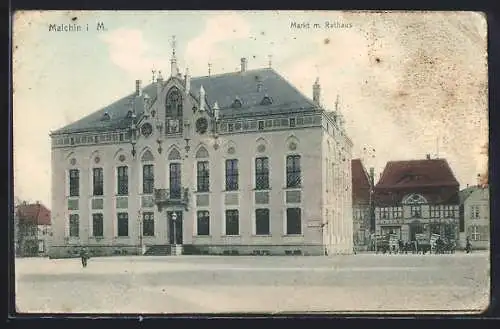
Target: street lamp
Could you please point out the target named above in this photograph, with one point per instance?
(141, 233)
(174, 222)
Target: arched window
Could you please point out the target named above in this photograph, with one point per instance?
(414, 199)
(173, 111)
(202, 153)
(174, 155)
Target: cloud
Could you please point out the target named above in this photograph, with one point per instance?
(129, 51)
(207, 46)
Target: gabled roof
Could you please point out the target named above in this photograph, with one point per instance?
(360, 182)
(34, 213)
(222, 88)
(466, 192)
(417, 173)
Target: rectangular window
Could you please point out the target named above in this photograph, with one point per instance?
(122, 173)
(203, 176)
(231, 175)
(475, 212)
(74, 225)
(261, 125)
(293, 178)
(416, 211)
(435, 211)
(98, 181)
(148, 224)
(293, 221)
(97, 225)
(232, 222)
(175, 180)
(74, 182)
(122, 224)
(397, 212)
(230, 127)
(148, 179)
(262, 222)
(292, 122)
(261, 173)
(475, 235)
(203, 222)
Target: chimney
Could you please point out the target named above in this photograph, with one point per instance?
(316, 92)
(137, 87)
(243, 65)
(372, 176)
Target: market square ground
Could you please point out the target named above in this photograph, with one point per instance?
(212, 284)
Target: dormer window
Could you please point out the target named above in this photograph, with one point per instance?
(129, 114)
(237, 103)
(106, 117)
(266, 100)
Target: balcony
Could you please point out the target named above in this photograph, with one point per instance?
(171, 197)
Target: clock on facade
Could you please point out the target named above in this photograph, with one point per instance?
(201, 125)
(146, 129)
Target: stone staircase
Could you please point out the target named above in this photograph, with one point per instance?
(176, 250)
(163, 250)
(158, 250)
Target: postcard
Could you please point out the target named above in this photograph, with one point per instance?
(275, 162)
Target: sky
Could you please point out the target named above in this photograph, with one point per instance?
(409, 84)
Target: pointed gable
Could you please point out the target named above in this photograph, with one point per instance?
(33, 213)
(360, 183)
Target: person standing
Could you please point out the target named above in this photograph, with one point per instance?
(468, 246)
(84, 255)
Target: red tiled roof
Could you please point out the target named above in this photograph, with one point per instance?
(35, 213)
(360, 183)
(431, 178)
(417, 173)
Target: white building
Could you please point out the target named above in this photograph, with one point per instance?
(245, 161)
(476, 217)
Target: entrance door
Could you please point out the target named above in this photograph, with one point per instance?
(174, 227)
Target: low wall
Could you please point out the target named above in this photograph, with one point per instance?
(268, 250)
(94, 251)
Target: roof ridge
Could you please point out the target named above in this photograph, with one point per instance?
(233, 72)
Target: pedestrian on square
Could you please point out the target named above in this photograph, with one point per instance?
(468, 246)
(84, 255)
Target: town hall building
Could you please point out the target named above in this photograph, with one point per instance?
(234, 163)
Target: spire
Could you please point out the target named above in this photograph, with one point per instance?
(316, 92)
(209, 69)
(270, 61)
(159, 83)
(153, 72)
(337, 103)
(187, 81)
(174, 70)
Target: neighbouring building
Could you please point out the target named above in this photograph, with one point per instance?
(417, 196)
(236, 163)
(33, 229)
(475, 216)
(362, 190)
